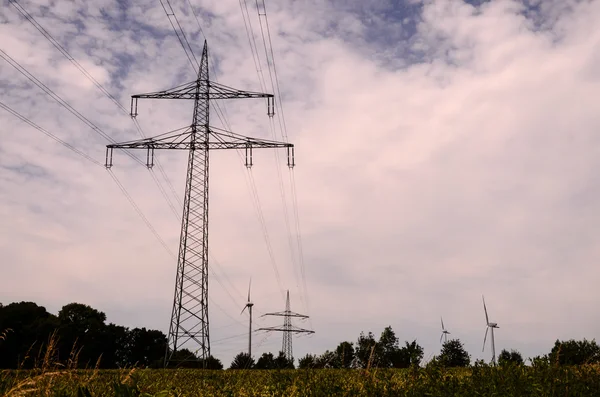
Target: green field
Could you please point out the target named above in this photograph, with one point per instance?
(430, 381)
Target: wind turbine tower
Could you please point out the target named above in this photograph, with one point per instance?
(445, 333)
(249, 305)
(489, 326)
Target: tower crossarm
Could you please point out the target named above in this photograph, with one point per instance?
(286, 314)
(182, 141)
(292, 329)
(215, 91)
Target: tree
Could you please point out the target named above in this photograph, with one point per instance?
(327, 360)
(365, 348)
(574, 352)
(81, 329)
(387, 348)
(344, 355)
(453, 354)
(307, 362)
(266, 361)
(409, 355)
(115, 342)
(510, 358)
(27, 328)
(242, 361)
(282, 362)
(146, 348)
(211, 363)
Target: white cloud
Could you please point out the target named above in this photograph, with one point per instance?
(421, 185)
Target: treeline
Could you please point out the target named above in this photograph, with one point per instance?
(79, 337)
(386, 352)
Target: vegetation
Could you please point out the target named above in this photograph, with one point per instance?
(369, 366)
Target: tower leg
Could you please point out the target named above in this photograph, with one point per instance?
(189, 326)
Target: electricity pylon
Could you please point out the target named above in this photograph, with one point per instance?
(288, 329)
(189, 316)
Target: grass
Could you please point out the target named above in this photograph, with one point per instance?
(429, 381)
(53, 379)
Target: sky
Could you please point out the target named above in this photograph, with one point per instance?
(444, 150)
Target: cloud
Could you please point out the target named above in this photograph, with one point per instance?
(448, 154)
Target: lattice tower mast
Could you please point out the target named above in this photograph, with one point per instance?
(189, 326)
(288, 329)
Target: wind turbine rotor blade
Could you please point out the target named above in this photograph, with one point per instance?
(441, 337)
(485, 338)
(243, 309)
(442, 320)
(487, 320)
(249, 285)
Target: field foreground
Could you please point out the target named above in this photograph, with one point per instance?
(430, 381)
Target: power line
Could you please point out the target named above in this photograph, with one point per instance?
(281, 118)
(91, 78)
(58, 99)
(140, 213)
(63, 51)
(49, 134)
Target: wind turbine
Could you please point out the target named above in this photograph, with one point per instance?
(249, 305)
(488, 327)
(445, 333)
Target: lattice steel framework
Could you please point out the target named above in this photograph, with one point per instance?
(288, 329)
(189, 319)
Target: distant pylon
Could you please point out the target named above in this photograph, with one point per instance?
(288, 329)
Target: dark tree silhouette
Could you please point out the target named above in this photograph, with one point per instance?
(308, 362)
(410, 354)
(266, 361)
(282, 362)
(345, 355)
(573, 352)
(453, 354)
(27, 328)
(365, 347)
(510, 358)
(242, 361)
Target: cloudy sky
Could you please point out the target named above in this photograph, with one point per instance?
(445, 149)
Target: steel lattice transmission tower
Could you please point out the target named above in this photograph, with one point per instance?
(288, 329)
(189, 326)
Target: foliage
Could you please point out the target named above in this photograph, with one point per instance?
(282, 362)
(510, 358)
(410, 354)
(81, 335)
(365, 350)
(574, 352)
(307, 362)
(453, 354)
(242, 361)
(344, 355)
(266, 361)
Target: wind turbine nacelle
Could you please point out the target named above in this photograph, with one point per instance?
(493, 325)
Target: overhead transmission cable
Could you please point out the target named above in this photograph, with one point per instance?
(67, 55)
(262, 12)
(283, 127)
(51, 135)
(95, 162)
(30, 18)
(60, 101)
